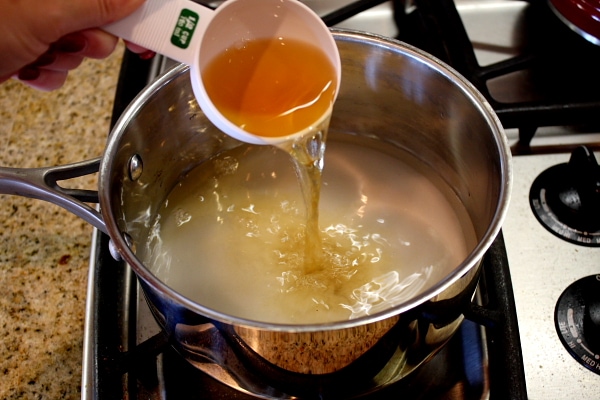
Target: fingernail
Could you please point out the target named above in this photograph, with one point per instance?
(28, 74)
(70, 44)
(148, 54)
(44, 60)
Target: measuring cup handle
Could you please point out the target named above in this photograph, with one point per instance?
(169, 27)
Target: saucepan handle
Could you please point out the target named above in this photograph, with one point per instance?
(42, 184)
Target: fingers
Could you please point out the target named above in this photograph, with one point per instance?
(43, 36)
(51, 69)
(57, 62)
(42, 79)
(90, 43)
(142, 52)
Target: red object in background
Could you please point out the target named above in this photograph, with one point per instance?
(583, 16)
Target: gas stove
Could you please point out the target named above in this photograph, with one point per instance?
(522, 338)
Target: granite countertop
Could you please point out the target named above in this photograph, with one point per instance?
(44, 250)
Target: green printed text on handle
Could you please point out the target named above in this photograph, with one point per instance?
(184, 29)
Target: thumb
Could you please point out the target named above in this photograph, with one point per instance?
(84, 14)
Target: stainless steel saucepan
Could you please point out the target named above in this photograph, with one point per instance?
(391, 93)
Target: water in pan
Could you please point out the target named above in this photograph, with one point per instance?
(230, 235)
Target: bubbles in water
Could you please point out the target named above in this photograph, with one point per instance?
(182, 216)
(226, 165)
(386, 290)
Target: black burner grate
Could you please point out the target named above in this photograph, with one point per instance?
(560, 67)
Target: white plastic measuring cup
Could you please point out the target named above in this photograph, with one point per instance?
(193, 34)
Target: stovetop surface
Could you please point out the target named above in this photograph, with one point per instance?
(542, 266)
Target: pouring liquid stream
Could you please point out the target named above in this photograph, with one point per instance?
(278, 87)
(307, 154)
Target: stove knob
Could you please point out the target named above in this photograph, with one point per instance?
(576, 200)
(577, 320)
(591, 320)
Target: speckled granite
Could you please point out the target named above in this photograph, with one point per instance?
(44, 250)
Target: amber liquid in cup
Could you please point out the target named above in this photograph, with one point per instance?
(271, 87)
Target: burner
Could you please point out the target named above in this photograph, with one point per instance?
(565, 199)
(577, 318)
(433, 380)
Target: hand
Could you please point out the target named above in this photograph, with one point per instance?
(41, 41)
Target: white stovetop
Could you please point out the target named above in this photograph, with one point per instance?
(542, 266)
